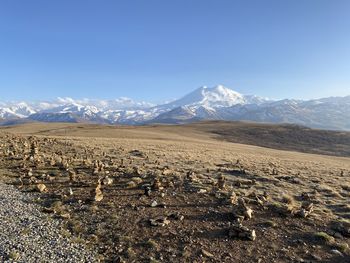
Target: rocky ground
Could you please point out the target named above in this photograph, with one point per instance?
(28, 235)
(159, 195)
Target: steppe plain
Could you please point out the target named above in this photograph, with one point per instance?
(204, 192)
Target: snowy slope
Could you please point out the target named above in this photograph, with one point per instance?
(215, 97)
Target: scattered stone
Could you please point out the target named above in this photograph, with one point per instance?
(41, 188)
(98, 195)
(305, 210)
(202, 191)
(233, 198)
(154, 203)
(176, 216)
(157, 185)
(107, 181)
(241, 209)
(207, 253)
(221, 181)
(160, 221)
(248, 213)
(30, 172)
(240, 231)
(191, 176)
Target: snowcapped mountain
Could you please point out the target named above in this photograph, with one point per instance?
(215, 97)
(122, 103)
(6, 113)
(19, 110)
(216, 103)
(83, 111)
(71, 112)
(329, 113)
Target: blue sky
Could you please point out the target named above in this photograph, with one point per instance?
(156, 50)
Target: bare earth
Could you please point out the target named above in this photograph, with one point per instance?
(184, 193)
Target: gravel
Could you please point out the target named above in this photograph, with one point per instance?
(28, 235)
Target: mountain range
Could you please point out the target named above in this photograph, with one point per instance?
(216, 103)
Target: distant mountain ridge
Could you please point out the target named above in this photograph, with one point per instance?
(204, 103)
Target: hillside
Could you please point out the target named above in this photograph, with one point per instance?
(284, 137)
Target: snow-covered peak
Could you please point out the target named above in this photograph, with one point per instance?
(215, 97)
(75, 108)
(122, 103)
(220, 96)
(6, 113)
(22, 110)
(15, 110)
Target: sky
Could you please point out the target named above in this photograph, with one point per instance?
(156, 50)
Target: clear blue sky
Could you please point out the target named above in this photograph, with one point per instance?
(157, 49)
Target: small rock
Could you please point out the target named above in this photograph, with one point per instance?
(207, 253)
(305, 210)
(241, 209)
(233, 198)
(157, 185)
(248, 213)
(221, 181)
(154, 204)
(177, 216)
(98, 193)
(160, 221)
(242, 232)
(41, 188)
(336, 252)
(107, 181)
